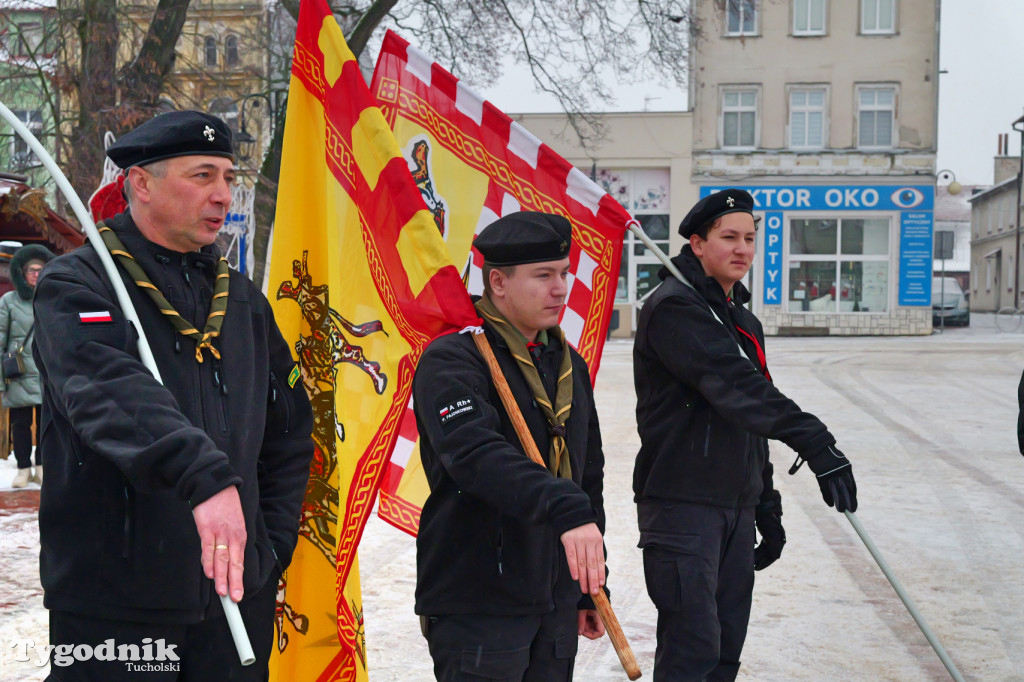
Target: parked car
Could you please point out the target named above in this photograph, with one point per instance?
(949, 302)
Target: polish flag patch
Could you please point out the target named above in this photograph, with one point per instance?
(99, 316)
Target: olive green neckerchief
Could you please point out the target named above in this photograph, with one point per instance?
(557, 416)
(218, 304)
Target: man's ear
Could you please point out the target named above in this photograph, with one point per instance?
(497, 281)
(697, 244)
(141, 182)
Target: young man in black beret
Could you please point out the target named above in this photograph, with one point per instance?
(508, 551)
(153, 489)
(705, 407)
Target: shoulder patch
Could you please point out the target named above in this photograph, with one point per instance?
(293, 376)
(454, 410)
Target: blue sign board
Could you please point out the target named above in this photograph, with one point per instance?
(913, 202)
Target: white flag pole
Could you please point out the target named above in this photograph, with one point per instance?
(234, 618)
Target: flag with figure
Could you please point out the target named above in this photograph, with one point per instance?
(358, 273)
(473, 164)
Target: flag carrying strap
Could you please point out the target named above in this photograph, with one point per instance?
(218, 304)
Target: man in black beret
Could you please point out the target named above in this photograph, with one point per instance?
(706, 406)
(510, 552)
(161, 496)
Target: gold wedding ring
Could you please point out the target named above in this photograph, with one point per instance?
(221, 547)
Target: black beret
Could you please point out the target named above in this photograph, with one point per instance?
(715, 206)
(525, 237)
(176, 133)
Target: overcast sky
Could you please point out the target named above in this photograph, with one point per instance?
(982, 49)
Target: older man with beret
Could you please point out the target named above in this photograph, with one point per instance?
(509, 552)
(153, 489)
(705, 406)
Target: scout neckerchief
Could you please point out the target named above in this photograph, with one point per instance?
(218, 304)
(557, 415)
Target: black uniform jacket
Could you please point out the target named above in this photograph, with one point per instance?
(127, 458)
(703, 409)
(489, 534)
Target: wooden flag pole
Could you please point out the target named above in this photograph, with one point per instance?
(604, 607)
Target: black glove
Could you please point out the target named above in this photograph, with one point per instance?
(835, 477)
(768, 519)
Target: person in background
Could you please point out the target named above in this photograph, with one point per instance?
(22, 395)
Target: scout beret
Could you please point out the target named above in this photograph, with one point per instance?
(525, 237)
(176, 133)
(715, 206)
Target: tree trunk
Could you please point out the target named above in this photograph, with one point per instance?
(142, 79)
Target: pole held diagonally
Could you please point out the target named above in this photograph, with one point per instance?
(635, 228)
(234, 618)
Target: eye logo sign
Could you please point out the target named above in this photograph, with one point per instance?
(907, 197)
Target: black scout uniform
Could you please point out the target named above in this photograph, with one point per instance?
(703, 475)
(493, 587)
(127, 458)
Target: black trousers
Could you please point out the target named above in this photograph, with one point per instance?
(699, 568)
(205, 650)
(21, 434)
(479, 648)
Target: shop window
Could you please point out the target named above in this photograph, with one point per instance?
(808, 17)
(876, 115)
(645, 194)
(740, 17)
(21, 156)
(739, 118)
(839, 265)
(878, 16)
(210, 50)
(231, 51)
(807, 118)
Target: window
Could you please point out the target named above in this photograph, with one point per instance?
(876, 114)
(227, 110)
(645, 194)
(878, 16)
(30, 38)
(740, 17)
(808, 17)
(21, 156)
(839, 265)
(210, 49)
(739, 118)
(231, 51)
(807, 118)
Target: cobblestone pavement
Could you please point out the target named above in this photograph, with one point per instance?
(929, 424)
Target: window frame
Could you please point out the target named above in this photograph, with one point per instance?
(739, 6)
(894, 114)
(838, 257)
(24, 158)
(22, 47)
(824, 110)
(210, 50)
(809, 31)
(864, 30)
(231, 46)
(739, 109)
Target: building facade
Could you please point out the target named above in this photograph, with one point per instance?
(826, 111)
(994, 240)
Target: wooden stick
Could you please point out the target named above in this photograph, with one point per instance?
(604, 607)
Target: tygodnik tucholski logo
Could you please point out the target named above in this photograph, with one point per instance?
(148, 656)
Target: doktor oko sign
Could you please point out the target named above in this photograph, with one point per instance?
(913, 203)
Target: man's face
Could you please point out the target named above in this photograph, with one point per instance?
(728, 251)
(532, 296)
(184, 207)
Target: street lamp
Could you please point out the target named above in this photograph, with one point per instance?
(952, 186)
(245, 141)
(1016, 227)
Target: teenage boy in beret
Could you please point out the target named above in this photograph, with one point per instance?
(153, 489)
(705, 407)
(510, 552)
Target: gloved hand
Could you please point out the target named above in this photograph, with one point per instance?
(835, 477)
(768, 519)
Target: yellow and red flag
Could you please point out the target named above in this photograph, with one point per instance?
(473, 164)
(358, 275)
